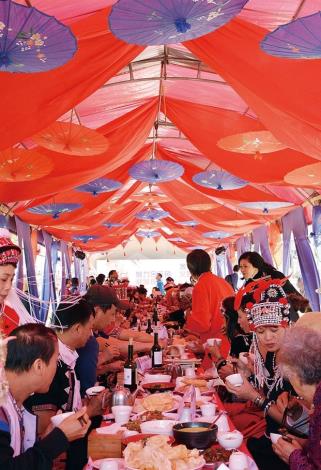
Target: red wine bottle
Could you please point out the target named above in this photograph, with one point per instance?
(130, 369)
(156, 353)
(149, 328)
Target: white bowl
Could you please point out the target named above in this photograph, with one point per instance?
(90, 392)
(274, 437)
(235, 379)
(230, 440)
(57, 419)
(212, 341)
(163, 427)
(152, 378)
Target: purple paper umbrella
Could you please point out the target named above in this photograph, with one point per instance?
(156, 171)
(196, 247)
(149, 22)
(99, 186)
(188, 223)
(85, 238)
(112, 224)
(265, 206)
(219, 179)
(54, 209)
(176, 240)
(31, 41)
(147, 234)
(152, 214)
(216, 234)
(299, 39)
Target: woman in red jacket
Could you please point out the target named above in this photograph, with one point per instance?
(205, 318)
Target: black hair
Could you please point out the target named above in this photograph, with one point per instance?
(142, 290)
(232, 326)
(67, 280)
(92, 282)
(33, 341)
(100, 279)
(112, 272)
(198, 262)
(236, 268)
(159, 274)
(169, 279)
(75, 281)
(69, 314)
(257, 261)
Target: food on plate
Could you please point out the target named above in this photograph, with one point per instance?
(158, 402)
(216, 454)
(199, 383)
(155, 453)
(147, 416)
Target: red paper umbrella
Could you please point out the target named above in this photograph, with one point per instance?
(253, 143)
(23, 165)
(306, 176)
(72, 139)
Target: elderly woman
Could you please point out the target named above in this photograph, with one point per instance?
(300, 361)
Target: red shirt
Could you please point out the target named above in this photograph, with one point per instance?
(206, 318)
(9, 320)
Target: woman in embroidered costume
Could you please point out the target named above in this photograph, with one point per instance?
(267, 315)
(12, 312)
(300, 361)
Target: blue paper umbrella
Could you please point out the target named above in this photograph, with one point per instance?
(112, 224)
(219, 179)
(265, 206)
(216, 234)
(85, 238)
(299, 39)
(188, 223)
(152, 214)
(147, 234)
(54, 209)
(149, 22)
(156, 171)
(99, 186)
(31, 41)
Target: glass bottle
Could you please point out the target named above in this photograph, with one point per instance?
(130, 369)
(156, 353)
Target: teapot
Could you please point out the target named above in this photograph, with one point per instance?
(121, 396)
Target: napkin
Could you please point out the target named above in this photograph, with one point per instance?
(144, 363)
(112, 429)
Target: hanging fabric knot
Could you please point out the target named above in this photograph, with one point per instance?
(181, 25)
(219, 186)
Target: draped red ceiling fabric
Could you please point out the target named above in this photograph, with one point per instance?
(126, 136)
(30, 102)
(214, 124)
(268, 84)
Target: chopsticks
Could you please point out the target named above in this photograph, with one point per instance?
(81, 419)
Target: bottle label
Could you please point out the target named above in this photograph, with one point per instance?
(158, 358)
(128, 376)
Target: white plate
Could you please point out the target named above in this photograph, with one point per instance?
(121, 465)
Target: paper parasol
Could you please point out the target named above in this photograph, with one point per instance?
(176, 240)
(253, 143)
(71, 139)
(18, 165)
(216, 234)
(196, 247)
(219, 179)
(265, 206)
(31, 41)
(299, 39)
(156, 171)
(188, 223)
(308, 176)
(147, 234)
(152, 214)
(150, 198)
(112, 224)
(99, 186)
(55, 210)
(85, 238)
(149, 22)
